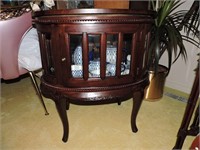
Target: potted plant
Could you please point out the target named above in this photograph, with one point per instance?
(167, 37)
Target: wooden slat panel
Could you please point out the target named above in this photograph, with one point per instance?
(119, 54)
(85, 56)
(103, 56)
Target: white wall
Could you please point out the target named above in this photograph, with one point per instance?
(181, 76)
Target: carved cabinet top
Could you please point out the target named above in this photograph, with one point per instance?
(93, 16)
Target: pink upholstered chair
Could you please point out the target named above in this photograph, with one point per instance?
(17, 39)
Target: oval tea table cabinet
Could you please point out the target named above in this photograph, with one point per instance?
(84, 57)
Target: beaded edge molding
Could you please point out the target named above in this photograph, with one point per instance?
(113, 20)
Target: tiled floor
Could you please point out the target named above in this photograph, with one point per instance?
(106, 127)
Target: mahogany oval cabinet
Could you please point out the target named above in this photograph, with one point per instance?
(93, 56)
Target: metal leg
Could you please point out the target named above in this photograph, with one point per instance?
(32, 75)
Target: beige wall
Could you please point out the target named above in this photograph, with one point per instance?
(181, 76)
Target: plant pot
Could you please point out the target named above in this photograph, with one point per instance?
(154, 91)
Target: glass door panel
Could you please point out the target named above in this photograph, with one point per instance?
(94, 55)
(76, 54)
(111, 54)
(126, 53)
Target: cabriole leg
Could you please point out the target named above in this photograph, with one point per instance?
(61, 108)
(137, 101)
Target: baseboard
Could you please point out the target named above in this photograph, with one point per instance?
(176, 94)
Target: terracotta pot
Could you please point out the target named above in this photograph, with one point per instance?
(154, 91)
(195, 143)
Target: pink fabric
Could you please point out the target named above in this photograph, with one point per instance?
(11, 34)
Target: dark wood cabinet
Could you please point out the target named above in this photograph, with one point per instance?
(93, 56)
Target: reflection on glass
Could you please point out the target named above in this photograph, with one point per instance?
(94, 46)
(76, 55)
(94, 55)
(71, 4)
(111, 54)
(126, 52)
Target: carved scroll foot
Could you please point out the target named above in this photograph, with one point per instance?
(137, 101)
(61, 108)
